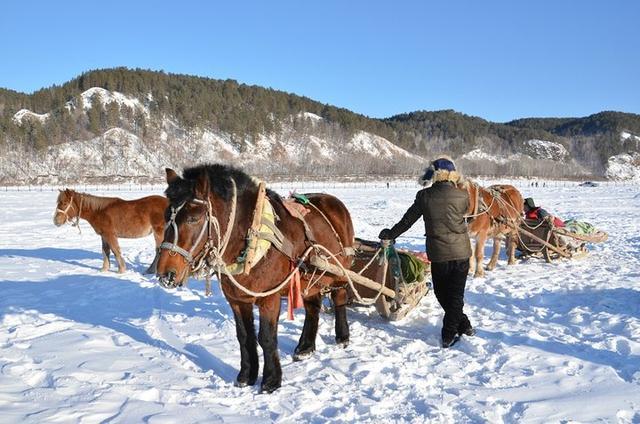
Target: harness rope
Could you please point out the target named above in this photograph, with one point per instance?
(77, 217)
(210, 260)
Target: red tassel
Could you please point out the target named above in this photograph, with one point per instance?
(294, 299)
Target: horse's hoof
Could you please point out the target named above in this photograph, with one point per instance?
(269, 388)
(244, 382)
(301, 356)
(342, 343)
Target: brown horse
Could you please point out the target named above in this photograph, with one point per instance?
(211, 216)
(113, 218)
(493, 212)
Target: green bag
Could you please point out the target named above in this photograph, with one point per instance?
(579, 227)
(412, 268)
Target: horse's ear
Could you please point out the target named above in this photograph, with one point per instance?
(171, 175)
(202, 186)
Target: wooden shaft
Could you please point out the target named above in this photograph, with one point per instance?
(549, 245)
(324, 265)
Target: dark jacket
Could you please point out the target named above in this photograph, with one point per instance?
(442, 207)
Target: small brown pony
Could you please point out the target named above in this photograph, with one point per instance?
(493, 212)
(211, 212)
(113, 218)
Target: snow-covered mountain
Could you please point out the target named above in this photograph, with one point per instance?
(119, 154)
(124, 137)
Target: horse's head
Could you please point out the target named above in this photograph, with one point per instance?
(187, 227)
(66, 207)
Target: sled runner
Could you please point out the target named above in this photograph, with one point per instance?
(544, 239)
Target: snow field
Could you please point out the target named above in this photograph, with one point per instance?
(556, 342)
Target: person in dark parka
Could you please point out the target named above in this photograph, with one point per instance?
(442, 206)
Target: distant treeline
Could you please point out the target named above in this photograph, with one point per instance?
(245, 111)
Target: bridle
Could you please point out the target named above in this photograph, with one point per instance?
(65, 211)
(215, 245)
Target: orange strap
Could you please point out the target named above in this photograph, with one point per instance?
(294, 300)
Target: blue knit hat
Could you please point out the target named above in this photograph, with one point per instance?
(440, 164)
(444, 164)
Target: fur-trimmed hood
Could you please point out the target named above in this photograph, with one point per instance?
(436, 172)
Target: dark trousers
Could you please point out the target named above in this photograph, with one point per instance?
(449, 281)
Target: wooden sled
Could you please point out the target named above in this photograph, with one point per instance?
(543, 239)
(397, 297)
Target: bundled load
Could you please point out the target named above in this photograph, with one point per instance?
(544, 238)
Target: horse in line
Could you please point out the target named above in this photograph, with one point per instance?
(494, 212)
(211, 216)
(113, 218)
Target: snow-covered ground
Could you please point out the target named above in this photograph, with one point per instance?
(556, 342)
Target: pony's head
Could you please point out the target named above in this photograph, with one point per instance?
(66, 207)
(185, 235)
(197, 218)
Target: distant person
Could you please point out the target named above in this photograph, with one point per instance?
(387, 184)
(442, 206)
(531, 211)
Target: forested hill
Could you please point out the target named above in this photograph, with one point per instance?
(148, 108)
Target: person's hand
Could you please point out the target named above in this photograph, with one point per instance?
(385, 234)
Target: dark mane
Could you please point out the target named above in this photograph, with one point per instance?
(219, 176)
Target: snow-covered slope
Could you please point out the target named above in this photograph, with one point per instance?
(543, 149)
(624, 135)
(624, 167)
(105, 97)
(118, 153)
(23, 114)
(479, 155)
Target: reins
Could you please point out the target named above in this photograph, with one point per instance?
(483, 208)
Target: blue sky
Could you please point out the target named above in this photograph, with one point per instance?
(499, 60)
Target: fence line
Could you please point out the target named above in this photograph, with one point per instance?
(311, 185)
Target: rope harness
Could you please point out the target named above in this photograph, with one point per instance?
(209, 261)
(65, 211)
(211, 255)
